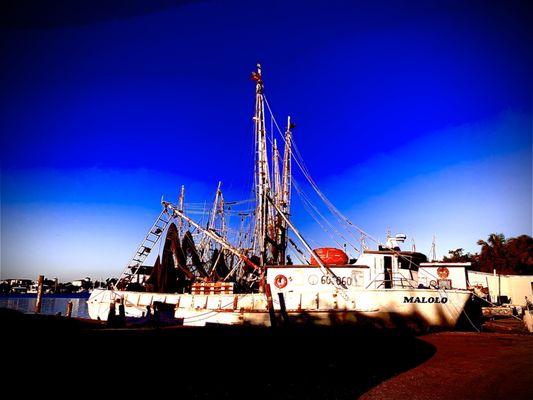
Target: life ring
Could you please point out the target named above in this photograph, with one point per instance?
(280, 281)
(443, 272)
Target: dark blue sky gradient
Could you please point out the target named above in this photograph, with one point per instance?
(168, 93)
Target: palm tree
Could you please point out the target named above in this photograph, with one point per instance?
(492, 255)
(520, 254)
(507, 256)
(495, 240)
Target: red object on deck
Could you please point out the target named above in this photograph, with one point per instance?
(330, 256)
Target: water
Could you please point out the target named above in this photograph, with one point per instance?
(52, 304)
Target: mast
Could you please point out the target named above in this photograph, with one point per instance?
(275, 231)
(276, 184)
(284, 201)
(262, 174)
(286, 189)
(223, 224)
(214, 210)
(180, 205)
(270, 235)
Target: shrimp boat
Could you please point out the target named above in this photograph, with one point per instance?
(210, 272)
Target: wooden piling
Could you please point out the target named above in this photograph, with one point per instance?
(111, 315)
(283, 309)
(69, 309)
(121, 313)
(39, 300)
(270, 303)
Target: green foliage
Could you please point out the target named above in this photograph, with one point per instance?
(507, 256)
(458, 255)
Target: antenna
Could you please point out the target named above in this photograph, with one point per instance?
(363, 242)
(433, 251)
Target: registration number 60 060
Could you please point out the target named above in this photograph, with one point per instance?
(328, 280)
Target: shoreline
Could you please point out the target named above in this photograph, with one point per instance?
(84, 295)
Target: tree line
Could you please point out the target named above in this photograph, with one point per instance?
(507, 255)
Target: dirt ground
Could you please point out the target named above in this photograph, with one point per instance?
(54, 353)
(466, 365)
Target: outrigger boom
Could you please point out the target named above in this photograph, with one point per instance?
(210, 234)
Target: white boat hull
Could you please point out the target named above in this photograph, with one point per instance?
(383, 307)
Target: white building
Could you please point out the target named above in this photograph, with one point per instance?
(515, 287)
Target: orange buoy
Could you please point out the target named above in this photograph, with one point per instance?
(330, 256)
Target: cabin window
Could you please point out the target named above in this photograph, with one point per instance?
(407, 263)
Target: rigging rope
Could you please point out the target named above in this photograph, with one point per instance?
(300, 163)
(305, 200)
(345, 222)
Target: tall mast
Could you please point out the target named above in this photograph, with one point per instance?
(262, 174)
(286, 179)
(284, 199)
(276, 184)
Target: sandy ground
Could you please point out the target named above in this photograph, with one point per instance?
(466, 366)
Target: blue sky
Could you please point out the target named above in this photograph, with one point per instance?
(411, 116)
